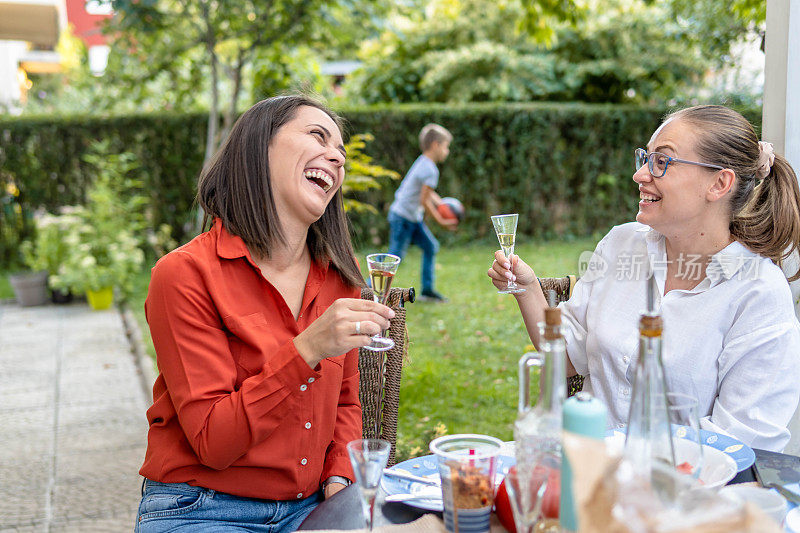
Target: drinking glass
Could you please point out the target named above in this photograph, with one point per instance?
(526, 498)
(369, 458)
(506, 228)
(685, 427)
(382, 268)
(467, 466)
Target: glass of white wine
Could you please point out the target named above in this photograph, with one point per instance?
(382, 268)
(506, 228)
(368, 458)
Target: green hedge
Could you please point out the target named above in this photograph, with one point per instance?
(566, 168)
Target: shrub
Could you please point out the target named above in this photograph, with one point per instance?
(103, 249)
(48, 250)
(565, 168)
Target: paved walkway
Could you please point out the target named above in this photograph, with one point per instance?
(73, 428)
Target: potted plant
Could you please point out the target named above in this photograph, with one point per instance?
(30, 288)
(97, 263)
(103, 249)
(47, 251)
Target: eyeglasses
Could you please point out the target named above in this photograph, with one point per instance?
(657, 162)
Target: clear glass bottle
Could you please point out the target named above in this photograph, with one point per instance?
(648, 442)
(537, 430)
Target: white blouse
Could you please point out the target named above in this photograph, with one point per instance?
(733, 341)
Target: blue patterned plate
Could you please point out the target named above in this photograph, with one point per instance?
(738, 451)
(426, 466)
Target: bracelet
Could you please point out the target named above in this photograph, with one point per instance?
(335, 479)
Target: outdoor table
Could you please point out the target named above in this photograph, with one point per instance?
(343, 509)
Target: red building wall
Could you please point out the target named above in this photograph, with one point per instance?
(86, 26)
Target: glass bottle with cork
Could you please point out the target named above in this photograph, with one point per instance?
(537, 430)
(648, 441)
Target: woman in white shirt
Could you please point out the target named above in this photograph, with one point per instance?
(718, 211)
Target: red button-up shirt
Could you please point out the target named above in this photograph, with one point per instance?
(235, 407)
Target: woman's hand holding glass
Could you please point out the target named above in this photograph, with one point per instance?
(347, 324)
(514, 269)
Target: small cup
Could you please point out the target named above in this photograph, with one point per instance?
(467, 465)
(769, 501)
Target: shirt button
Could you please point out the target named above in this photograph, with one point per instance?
(299, 495)
(311, 380)
(308, 425)
(303, 387)
(626, 359)
(303, 461)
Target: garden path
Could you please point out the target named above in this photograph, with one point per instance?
(73, 407)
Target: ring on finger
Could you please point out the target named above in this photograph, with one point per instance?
(358, 328)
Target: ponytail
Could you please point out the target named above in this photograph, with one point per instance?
(769, 224)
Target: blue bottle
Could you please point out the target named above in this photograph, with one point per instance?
(583, 415)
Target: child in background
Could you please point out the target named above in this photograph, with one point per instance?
(416, 195)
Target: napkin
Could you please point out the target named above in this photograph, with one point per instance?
(428, 523)
(612, 498)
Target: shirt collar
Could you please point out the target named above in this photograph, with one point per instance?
(229, 246)
(726, 263)
(723, 265)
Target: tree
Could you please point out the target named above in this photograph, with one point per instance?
(620, 51)
(225, 34)
(715, 25)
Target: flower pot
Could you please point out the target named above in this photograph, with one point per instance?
(30, 288)
(101, 299)
(59, 296)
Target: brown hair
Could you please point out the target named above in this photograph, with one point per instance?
(765, 213)
(236, 187)
(432, 133)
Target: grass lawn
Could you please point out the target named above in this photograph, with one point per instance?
(461, 373)
(5, 287)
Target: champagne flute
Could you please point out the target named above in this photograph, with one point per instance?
(506, 228)
(369, 458)
(382, 268)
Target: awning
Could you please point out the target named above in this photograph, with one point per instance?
(35, 22)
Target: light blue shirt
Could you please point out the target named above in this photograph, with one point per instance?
(406, 199)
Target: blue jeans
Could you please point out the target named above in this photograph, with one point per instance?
(182, 507)
(403, 232)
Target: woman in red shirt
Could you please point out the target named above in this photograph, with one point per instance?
(256, 325)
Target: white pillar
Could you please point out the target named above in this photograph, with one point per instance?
(781, 115)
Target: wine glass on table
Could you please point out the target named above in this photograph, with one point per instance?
(382, 268)
(506, 228)
(368, 458)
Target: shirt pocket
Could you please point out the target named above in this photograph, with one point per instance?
(248, 338)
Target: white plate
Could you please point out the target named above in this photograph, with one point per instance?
(718, 467)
